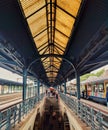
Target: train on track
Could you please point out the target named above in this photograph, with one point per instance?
(94, 89)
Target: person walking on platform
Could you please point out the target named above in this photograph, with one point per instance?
(107, 97)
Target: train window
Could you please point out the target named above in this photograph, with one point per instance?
(101, 87)
(106, 85)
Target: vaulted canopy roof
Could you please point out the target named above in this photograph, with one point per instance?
(51, 23)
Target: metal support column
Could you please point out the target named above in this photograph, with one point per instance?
(2, 89)
(42, 88)
(78, 84)
(24, 83)
(11, 88)
(38, 85)
(85, 91)
(35, 87)
(65, 87)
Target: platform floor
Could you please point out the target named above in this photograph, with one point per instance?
(52, 117)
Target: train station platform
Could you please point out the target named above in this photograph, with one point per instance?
(50, 116)
(48, 43)
(48, 113)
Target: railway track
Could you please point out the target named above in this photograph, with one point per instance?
(4, 99)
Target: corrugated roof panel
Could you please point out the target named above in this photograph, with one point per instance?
(46, 60)
(30, 6)
(57, 64)
(51, 74)
(57, 59)
(55, 43)
(62, 38)
(64, 22)
(37, 22)
(71, 6)
(41, 39)
(41, 43)
(44, 51)
(42, 46)
(60, 42)
(54, 74)
(58, 51)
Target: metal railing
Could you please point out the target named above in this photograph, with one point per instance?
(15, 113)
(94, 118)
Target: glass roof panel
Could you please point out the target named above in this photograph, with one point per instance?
(71, 6)
(30, 6)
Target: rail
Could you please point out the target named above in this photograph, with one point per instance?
(94, 118)
(15, 113)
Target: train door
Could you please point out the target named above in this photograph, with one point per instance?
(93, 90)
(105, 87)
(101, 90)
